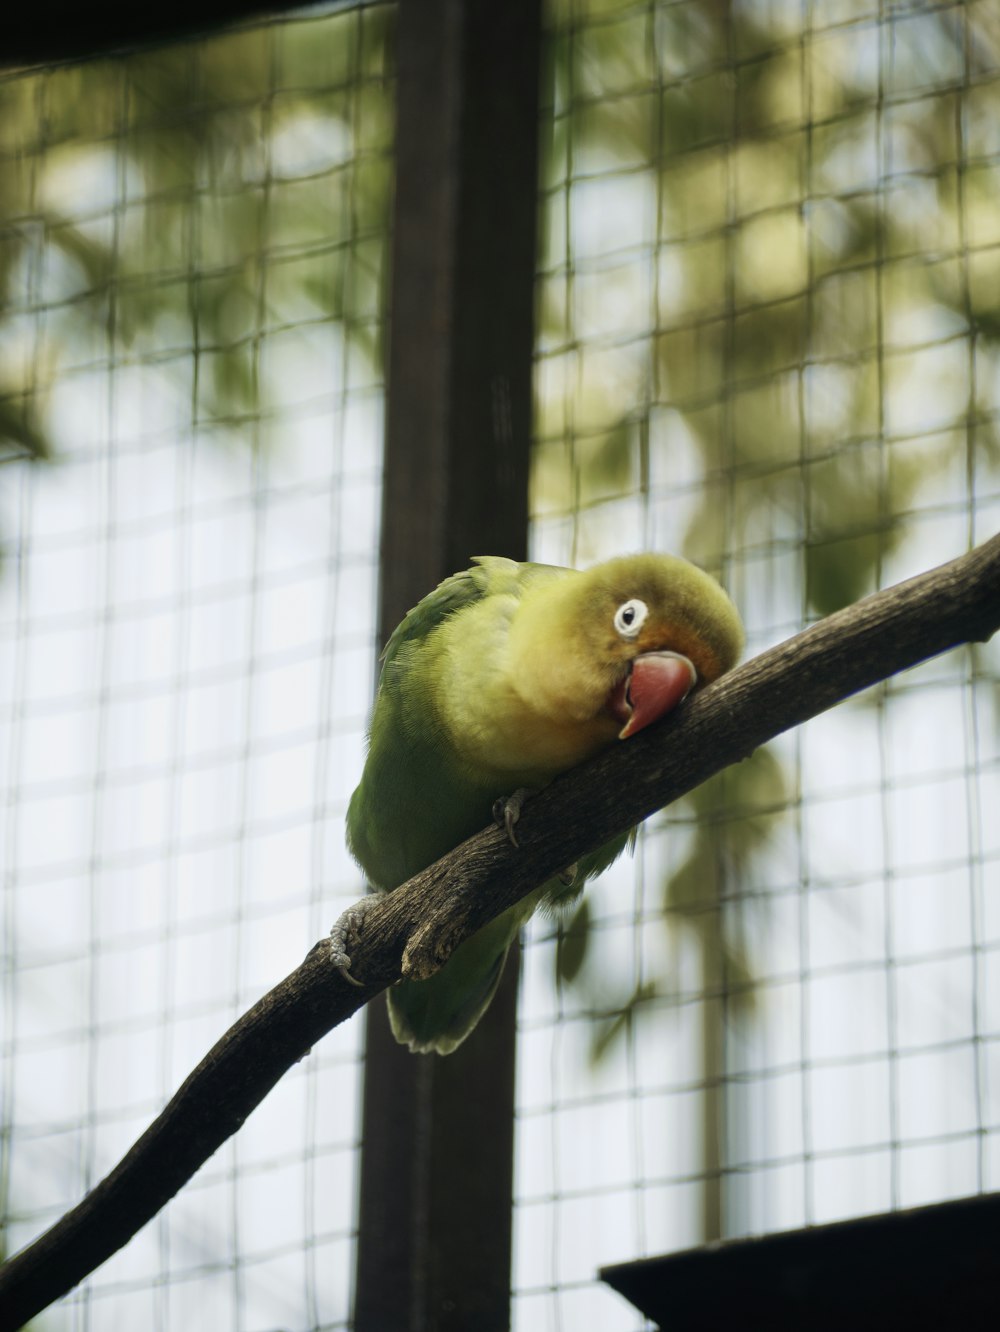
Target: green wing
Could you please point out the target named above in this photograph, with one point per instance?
(490, 574)
(414, 803)
(459, 590)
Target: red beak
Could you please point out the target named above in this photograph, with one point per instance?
(657, 682)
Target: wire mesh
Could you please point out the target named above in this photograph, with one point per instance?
(769, 285)
(768, 288)
(192, 242)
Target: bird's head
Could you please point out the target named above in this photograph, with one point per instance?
(629, 639)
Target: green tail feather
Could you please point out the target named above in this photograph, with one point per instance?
(437, 1014)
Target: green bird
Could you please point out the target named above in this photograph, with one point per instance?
(504, 676)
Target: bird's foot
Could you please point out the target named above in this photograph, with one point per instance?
(567, 877)
(507, 810)
(347, 926)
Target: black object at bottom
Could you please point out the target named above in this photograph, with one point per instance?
(928, 1268)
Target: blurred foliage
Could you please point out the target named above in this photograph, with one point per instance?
(770, 286)
(800, 258)
(194, 196)
(733, 819)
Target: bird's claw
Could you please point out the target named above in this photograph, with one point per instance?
(348, 924)
(567, 877)
(507, 811)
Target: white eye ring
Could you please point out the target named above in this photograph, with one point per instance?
(630, 617)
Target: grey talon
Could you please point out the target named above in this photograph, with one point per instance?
(506, 812)
(349, 923)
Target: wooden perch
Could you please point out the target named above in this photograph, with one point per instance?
(413, 929)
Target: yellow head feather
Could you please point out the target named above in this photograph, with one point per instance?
(566, 651)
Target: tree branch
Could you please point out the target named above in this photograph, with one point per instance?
(415, 928)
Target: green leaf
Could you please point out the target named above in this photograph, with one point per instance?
(571, 948)
(20, 437)
(609, 1031)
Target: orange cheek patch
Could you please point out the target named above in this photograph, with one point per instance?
(672, 636)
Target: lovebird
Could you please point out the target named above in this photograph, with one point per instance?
(504, 676)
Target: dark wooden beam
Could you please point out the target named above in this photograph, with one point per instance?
(70, 30)
(436, 1173)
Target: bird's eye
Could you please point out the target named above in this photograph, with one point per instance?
(630, 617)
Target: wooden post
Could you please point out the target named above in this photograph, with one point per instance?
(437, 1160)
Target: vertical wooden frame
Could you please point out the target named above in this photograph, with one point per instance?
(437, 1160)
